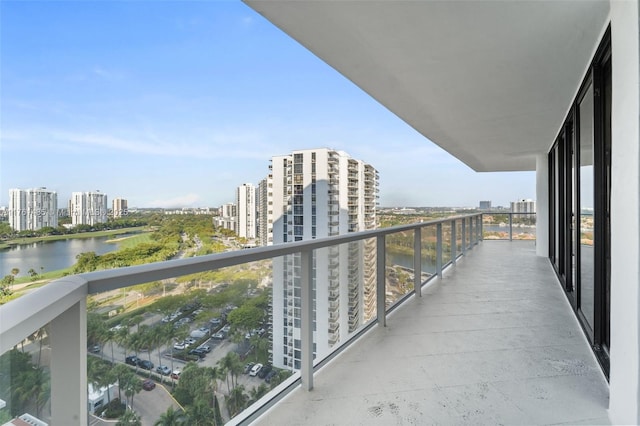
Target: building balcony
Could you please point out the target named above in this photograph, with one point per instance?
(492, 342)
(488, 339)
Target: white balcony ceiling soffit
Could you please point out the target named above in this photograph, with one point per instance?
(488, 81)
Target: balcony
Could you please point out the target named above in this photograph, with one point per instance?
(491, 339)
(492, 342)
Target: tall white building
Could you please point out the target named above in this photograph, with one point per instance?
(32, 209)
(264, 200)
(88, 208)
(246, 211)
(227, 217)
(120, 207)
(319, 193)
(523, 206)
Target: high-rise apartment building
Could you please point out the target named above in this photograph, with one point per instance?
(265, 211)
(32, 209)
(88, 208)
(523, 206)
(227, 217)
(485, 205)
(319, 193)
(120, 207)
(246, 211)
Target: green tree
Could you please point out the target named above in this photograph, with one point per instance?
(232, 367)
(237, 400)
(200, 414)
(132, 385)
(129, 418)
(217, 415)
(171, 417)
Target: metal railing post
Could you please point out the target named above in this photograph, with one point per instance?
(380, 287)
(68, 340)
(439, 249)
(454, 243)
(417, 262)
(306, 314)
(480, 231)
(464, 236)
(472, 236)
(510, 226)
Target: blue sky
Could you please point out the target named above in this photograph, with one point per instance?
(173, 104)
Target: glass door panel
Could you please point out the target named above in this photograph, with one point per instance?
(585, 225)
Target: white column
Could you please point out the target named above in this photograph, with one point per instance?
(542, 205)
(624, 390)
(69, 366)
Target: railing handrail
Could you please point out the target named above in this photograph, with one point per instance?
(62, 303)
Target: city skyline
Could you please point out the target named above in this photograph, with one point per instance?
(177, 106)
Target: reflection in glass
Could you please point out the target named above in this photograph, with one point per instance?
(586, 206)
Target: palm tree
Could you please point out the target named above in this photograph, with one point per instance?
(129, 418)
(236, 400)
(232, 366)
(132, 386)
(200, 414)
(171, 417)
(34, 385)
(120, 371)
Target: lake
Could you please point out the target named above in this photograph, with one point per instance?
(51, 255)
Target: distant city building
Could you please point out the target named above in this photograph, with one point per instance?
(319, 193)
(120, 207)
(227, 217)
(246, 211)
(485, 205)
(191, 210)
(32, 209)
(88, 208)
(264, 200)
(523, 206)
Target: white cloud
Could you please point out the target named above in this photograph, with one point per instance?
(233, 145)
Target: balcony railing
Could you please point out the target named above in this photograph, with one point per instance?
(62, 304)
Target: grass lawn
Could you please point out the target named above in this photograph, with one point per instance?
(71, 236)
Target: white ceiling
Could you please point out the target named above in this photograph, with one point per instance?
(488, 81)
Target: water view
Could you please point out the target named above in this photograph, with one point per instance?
(49, 256)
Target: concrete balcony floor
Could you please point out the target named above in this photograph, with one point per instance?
(493, 342)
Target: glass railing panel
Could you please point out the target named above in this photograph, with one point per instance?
(495, 226)
(25, 384)
(524, 226)
(399, 272)
(459, 236)
(428, 252)
(193, 339)
(446, 242)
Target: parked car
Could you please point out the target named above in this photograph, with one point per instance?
(163, 369)
(132, 360)
(264, 371)
(199, 352)
(215, 321)
(205, 348)
(269, 376)
(145, 364)
(190, 340)
(94, 348)
(255, 369)
(180, 346)
(175, 374)
(218, 336)
(148, 384)
(248, 367)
